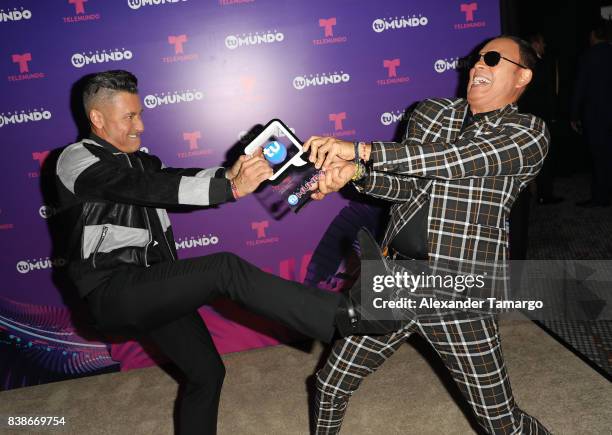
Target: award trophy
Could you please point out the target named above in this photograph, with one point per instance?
(292, 176)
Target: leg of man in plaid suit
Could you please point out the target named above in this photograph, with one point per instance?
(453, 180)
(471, 351)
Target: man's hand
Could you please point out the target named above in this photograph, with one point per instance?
(230, 173)
(252, 171)
(325, 150)
(335, 178)
(576, 126)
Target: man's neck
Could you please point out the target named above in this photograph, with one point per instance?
(102, 141)
(475, 110)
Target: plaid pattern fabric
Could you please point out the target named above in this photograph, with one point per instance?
(471, 178)
(469, 348)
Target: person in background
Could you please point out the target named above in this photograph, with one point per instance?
(540, 99)
(591, 113)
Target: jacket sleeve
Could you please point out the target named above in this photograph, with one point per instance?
(392, 187)
(94, 179)
(510, 149)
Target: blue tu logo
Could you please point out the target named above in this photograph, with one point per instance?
(275, 152)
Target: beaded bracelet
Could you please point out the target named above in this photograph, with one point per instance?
(234, 189)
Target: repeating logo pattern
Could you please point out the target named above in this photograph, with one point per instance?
(392, 117)
(200, 241)
(27, 266)
(320, 79)
(14, 14)
(392, 66)
(233, 42)
(450, 64)
(192, 139)
(81, 13)
(137, 4)
(208, 70)
(79, 60)
(24, 116)
(340, 121)
(381, 25)
(261, 229)
(152, 101)
(22, 61)
(178, 42)
(470, 13)
(328, 25)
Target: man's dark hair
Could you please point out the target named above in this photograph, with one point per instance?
(104, 85)
(527, 54)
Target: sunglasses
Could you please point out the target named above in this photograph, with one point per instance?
(492, 58)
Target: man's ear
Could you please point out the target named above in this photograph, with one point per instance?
(97, 118)
(525, 77)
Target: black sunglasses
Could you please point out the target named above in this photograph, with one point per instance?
(492, 58)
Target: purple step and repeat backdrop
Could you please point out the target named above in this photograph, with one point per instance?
(209, 70)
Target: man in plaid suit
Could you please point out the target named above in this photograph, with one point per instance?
(462, 163)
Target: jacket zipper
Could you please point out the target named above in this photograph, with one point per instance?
(146, 215)
(102, 236)
(168, 245)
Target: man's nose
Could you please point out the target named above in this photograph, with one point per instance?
(139, 125)
(480, 63)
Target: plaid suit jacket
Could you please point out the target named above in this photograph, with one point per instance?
(469, 179)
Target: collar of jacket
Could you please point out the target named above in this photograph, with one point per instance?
(104, 144)
(460, 107)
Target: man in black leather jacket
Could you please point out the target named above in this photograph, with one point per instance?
(123, 258)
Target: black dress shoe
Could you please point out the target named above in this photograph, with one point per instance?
(352, 319)
(589, 203)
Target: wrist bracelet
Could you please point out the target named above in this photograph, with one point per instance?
(234, 189)
(357, 173)
(359, 147)
(360, 171)
(356, 148)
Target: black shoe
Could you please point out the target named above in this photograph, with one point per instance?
(352, 321)
(550, 200)
(589, 203)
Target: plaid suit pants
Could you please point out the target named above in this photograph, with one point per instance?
(470, 349)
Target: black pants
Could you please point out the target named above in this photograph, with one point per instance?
(161, 301)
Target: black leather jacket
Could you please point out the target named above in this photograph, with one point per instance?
(116, 202)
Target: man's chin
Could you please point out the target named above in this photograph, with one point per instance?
(474, 95)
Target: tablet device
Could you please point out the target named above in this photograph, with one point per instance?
(281, 148)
